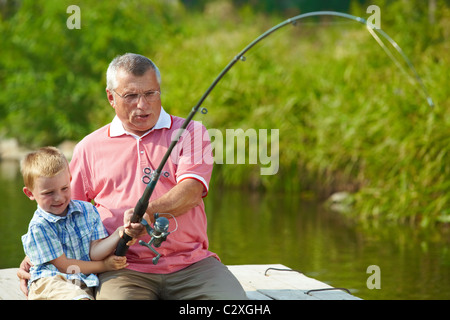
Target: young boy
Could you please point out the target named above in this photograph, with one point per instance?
(64, 236)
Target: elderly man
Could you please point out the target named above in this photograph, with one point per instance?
(111, 167)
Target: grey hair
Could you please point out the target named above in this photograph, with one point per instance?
(135, 64)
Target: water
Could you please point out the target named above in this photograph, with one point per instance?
(252, 228)
(258, 229)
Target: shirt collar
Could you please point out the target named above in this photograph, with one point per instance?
(72, 208)
(116, 128)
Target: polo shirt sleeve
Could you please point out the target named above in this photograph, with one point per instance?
(81, 189)
(195, 160)
(41, 244)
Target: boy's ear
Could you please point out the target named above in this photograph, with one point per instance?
(28, 193)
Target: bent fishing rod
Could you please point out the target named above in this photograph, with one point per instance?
(142, 203)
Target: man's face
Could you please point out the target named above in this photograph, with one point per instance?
(140, 115)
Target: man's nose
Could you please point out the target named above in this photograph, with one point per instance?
(142, 102)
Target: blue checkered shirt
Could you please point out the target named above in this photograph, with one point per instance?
(49, 236)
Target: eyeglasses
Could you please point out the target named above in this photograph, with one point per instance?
(149, 96)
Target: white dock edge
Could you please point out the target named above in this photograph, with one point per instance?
(264, 282)
(9, 285)
(259, 282)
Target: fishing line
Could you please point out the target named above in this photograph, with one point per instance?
(294, 21)
(397, 63)
(413, 77)
(176, 222)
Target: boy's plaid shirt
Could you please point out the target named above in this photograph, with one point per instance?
(49, 236)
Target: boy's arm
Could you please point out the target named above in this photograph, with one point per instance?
(102, 248)
(66, 265)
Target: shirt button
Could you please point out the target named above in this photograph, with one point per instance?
(142, 152)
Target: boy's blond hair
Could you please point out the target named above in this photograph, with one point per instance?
(45, 162)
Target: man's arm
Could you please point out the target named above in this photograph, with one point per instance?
(24, 274)
(184, 196)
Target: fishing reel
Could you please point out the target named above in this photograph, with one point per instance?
(158, 234)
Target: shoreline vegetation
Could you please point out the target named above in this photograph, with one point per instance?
(349, 120)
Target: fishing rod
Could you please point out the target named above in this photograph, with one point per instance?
(142, 203)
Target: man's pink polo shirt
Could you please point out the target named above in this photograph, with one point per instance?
(108, 167)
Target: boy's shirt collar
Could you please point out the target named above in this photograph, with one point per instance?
(50, 217)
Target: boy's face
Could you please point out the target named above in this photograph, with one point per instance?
(52, 194)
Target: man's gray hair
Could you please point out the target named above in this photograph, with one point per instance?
(135, 64)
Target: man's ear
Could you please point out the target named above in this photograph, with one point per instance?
(28, 193)
(110, 96)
